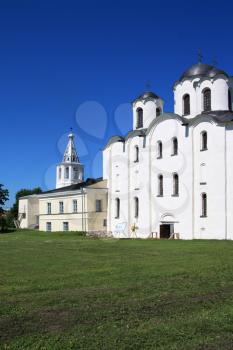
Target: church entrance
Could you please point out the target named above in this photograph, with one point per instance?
(165, 230)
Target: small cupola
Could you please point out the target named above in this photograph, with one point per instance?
(146, 107)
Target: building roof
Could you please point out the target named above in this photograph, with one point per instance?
(147, 95)
(202, 70)
(75, 187)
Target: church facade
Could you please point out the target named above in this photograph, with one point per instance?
(172, 175)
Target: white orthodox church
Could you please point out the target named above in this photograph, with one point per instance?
(170, 177)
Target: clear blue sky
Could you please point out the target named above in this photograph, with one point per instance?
(77, 63)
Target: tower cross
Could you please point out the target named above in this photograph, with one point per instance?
(200, 56)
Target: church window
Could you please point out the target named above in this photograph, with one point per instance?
(59, 173)
(158, 111)
(229, 100)
(61, 207)
(203, 141)
(160, 185)
(75, 206)
(186, 104)
(65, 226)
(67, 173)
(117, 209)
(159, 149)
(48, 208)
(175, 185)
(174, 146)
(203, 205)
(136, 154)
(48, 226)
(136, 207)
(139, 123)
(206, 100)
(98, 205)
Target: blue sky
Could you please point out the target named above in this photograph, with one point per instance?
(69, 63)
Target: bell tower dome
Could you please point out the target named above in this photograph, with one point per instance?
(70, 171)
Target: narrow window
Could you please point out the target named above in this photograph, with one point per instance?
(186, 104)
(117, 209)
(75, 206)
(48, 208)
(229, 100)
(65, 226)
(160, 185)
(48, 226)
(203, 205)
(174, 146)
(139, 122)
(61, 207)
(67, 173)
(207, 100)
(136, 154)
(203, 141)
(159, 149)
(105, 223)
(158, 111)
(98, 205)
(136, 207)
(175, 185)
(59, 173)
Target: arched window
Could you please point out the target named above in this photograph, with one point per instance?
(158, 111)
(67, 173)
(206, 100)
(159, 149)
(203, 205)
(160, 185)
(203, 141)
(174, 146)
(229, 100)
(136, 154)
(175, 185)
(136, 207)
(117, 203)
(139, 123)
(186, 104)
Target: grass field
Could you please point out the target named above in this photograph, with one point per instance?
(64, 291)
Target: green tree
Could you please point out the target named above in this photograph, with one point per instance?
(4, 196)
(21, 193)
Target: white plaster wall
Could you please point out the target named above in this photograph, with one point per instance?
(179, 208)
(214, 226)
(149, 111)
(219, 90)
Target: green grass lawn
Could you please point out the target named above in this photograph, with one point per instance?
(64, 291)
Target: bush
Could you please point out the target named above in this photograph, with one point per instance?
(3, 224)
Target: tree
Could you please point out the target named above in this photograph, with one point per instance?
(4, 196)
(21, 193)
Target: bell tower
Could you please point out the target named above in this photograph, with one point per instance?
(70, 171)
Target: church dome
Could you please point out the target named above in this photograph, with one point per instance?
(147, 95)
(202, 70)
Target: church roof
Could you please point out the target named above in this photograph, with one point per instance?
(70, 155)
(147, 95)
(202, 70)
(75, 187)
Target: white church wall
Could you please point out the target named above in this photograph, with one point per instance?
(229, 182)
(178, 208)
(214, 225)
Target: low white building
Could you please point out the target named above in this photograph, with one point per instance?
(172, 174)
(75, 204)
